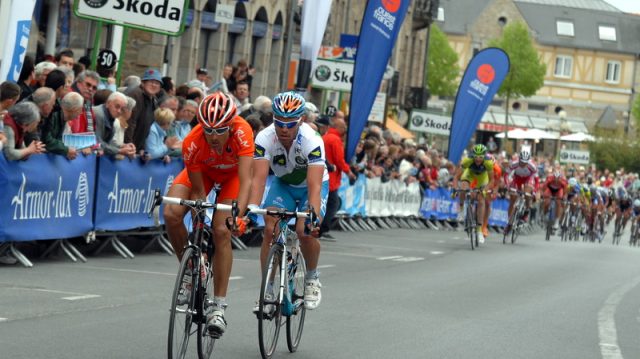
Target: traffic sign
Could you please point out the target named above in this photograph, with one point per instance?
(107, 59)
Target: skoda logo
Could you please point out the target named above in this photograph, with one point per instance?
(417, 121)
(300, 160)
(96, 4)
(564, 155)
(323, 73)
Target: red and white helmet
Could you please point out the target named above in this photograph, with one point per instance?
(216, 110)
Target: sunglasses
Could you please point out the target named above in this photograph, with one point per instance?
(283, 124)
(217, 131)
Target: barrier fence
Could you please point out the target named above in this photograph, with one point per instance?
(51, 197)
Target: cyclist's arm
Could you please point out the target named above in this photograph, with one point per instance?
(245, 169)
(314, 186)
(197, 185)
(260, 173)
(457, 176)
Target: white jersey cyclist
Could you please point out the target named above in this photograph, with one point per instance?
(291, 167)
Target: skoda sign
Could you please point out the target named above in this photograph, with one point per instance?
(162, 16)
(579, 157)
(422, 121)
(333, 75)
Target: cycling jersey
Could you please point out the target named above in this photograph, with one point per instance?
(477, 175)
(217, 167)
(291, 167)
(553, 187)
(516, 170)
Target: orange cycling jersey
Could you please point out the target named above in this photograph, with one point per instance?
(216, 167)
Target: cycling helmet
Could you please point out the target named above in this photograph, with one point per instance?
(589, 180)
(216, 110)
(621, 193)
(479, 150)
(288, 105)
(557, 174)
(525, 156)
(636, 203)
(573, 181)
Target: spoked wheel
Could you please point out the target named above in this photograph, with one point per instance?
(295, 322)
(270, 312)
(181, 323)
(206, 342)
(470, 227)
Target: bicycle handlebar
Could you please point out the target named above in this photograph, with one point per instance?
(281, 213)
(194, 204)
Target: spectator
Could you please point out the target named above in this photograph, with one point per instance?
(186, 115)
(201, 74)
(241, 93)
(170, 102)
(20, 119)
(334, 149)
(492, 146)
(182, 91)
(256, 124)
(78, 68)
(146, 103)
(196, 94)
(9, 95)
(242, 73)
(65, 58)
(322, 123)
(168, 86)
(86, 85)
(69, 76)
(27, 76)
(107, 78)
(222, 85)
(106, 116)
(158, 145)
(71, 106)
(119, 127)
(101, 96)
(45, 99)
(85, 62)
(262, 104)
(130, 83)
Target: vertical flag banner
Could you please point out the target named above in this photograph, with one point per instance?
(16, 39)
(315, 14)
(380, 26)
(480, 82)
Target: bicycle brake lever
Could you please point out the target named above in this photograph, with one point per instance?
(157, 201)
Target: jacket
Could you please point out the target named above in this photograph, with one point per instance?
(141, 118)
(334, 149)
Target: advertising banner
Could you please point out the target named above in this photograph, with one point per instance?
(438, 204)
(480, 82)
(422, 121)
(571, 156)
(161, 16)
(123, 200)
(353, 196)
(16, 39)
(380, 26)
(46, 197)
(333, 75)
(314, 21)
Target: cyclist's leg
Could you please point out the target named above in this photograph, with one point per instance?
(223, 256)
(174, 214)
(559, 195)
(309, 245)
(481, 183)
(547, 201)
(277, 197)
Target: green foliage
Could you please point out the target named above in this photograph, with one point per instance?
(442, 69)
(526, 73)
(635, 111)
(610, 152)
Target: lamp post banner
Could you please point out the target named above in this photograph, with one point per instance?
(481, 80)
(380, 26)
(16, 39)
(314, 22)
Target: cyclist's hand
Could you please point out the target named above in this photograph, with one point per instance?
(240, 227)
(312, 226)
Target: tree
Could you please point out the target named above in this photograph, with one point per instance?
(442, 66)
(635, 111)
(526, 73)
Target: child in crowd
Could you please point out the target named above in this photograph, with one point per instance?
(158, 144)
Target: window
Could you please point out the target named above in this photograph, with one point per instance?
(607, 33)
(563, 66)
(613, 72)
(564, 28)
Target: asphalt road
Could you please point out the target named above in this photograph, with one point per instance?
(386, 294)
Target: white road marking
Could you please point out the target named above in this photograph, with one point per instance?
(387, 258)
(326, 266)
(79, 297)
(3, 319)
(235, 278)
(607, 325)
(436, 252)
(130, 270)
(409, 259)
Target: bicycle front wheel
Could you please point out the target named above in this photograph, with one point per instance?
(270, 311)
(295, 322)
(181, 324)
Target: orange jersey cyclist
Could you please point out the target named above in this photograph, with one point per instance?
(219, 150)
(295, 154)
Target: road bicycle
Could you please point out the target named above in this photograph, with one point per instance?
(189, 308)
(282, 285)
(516, 222)
(470, 215)
(618, 228)
(635, 231)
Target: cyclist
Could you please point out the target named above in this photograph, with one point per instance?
(554, 187)
(295, 154)
(523, 176)
(598, 204)
(622, 206)
(497, 181)
(635, 212)
(475, 171)
(219, 150)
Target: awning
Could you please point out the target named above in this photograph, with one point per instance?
(393, 126)
(577, 137)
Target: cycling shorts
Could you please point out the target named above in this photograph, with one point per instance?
(550, 192)
(521, 182)
(475, 180)
(282, 195)
(624, 205)
(229, 183)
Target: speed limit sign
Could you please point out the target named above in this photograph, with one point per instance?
(107, 59)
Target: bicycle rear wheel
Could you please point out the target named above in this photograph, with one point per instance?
(181, 323)
(270, 312)
(295, 322)
(206, 342)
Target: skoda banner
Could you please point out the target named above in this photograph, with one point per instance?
(579, 157)
(16, 39)
(46, 197)
(333, 75)
(423, 121)
(380, 26)
(481, 80)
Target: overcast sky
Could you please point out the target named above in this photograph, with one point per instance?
(626, 5)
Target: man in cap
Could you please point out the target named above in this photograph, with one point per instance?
(146, 103)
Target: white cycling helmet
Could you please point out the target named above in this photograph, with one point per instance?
(636, 203)
(573, 181)
(524, 156)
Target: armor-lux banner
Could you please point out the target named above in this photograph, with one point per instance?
(46, 197)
